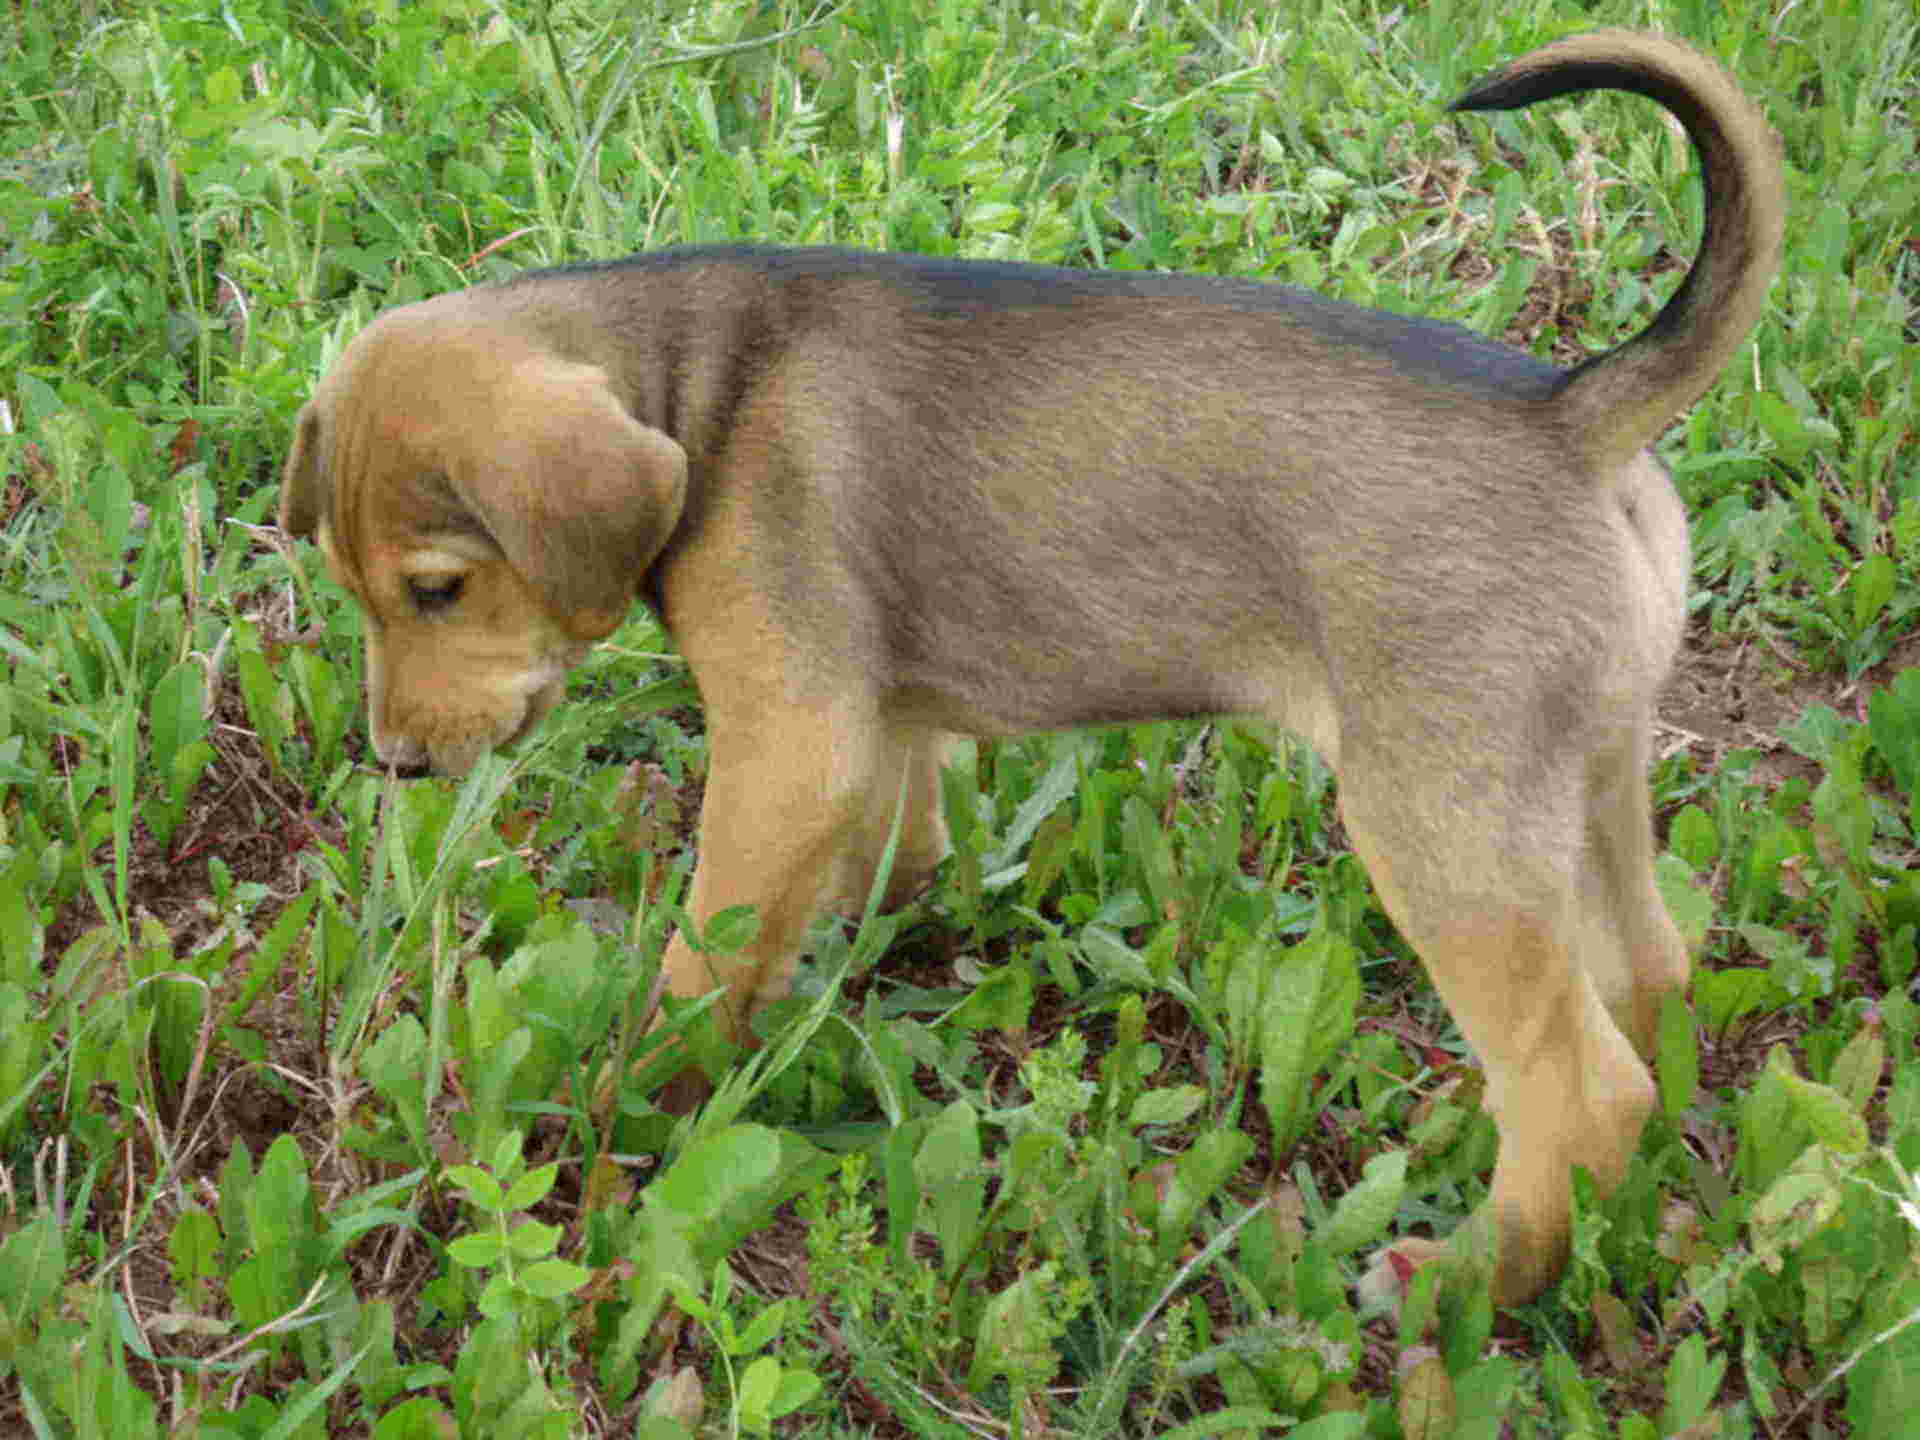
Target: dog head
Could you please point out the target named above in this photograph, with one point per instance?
(491, 505)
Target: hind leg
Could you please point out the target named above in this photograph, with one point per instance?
(1490, 885)
(1632, 945)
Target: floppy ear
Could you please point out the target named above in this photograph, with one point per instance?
(579, 494)
(300, 481)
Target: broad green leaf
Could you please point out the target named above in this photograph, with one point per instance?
(1170, 1105)
(1883, 1388)
(395, 1064)
(193, 1250)
(258, 1291)
(343, 1231)
(531, 1188)
(712, 1173)
(236, 1189)
(1843, 813)
(491, 1376)
(1678, 1057)
(1794, 1208)
(903, 1192)
(1818, 734)
(1363, 1214)
(1693, 1380)
(1856, 1069)
(1721, 997)
(532, 1238)
(1036, 1167)
(492, 1069)
(1832, 1120)
(482, 1189)
(176, 714)
(1018, 1333)
(22, 937)
(1689, 905)
(1776, 843)
(1307, 1015)
(265, 700)
(1152, 854)
(281, 1211)
(496, 1296)
(1580, 1411)
(1771, 1132)
(1001, 1000)
(759, 1383)
(760, 1333)
(327, 701)
(550, 1279)
(1783, 426)
(992, 216)
(1872, 585)
(1055, 788)
(420, 1418)
(1693, 836)
(1830, 1293)
(952, 1182)
(1893, 723)
(32, 1263)
(478, 1250)
(746, 1200)
(1198, 1175)
(1047, 859)
(733, 929)
(1790, 961)
(797, 1388)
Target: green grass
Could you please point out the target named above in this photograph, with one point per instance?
(327, 1105)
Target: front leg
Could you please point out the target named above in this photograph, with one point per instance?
(782, 829)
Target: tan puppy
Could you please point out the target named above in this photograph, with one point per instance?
(882, 498)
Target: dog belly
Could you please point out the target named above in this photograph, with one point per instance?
(997, 693)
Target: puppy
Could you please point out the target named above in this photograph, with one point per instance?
(880, 499)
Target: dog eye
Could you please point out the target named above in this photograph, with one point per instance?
(436, 593)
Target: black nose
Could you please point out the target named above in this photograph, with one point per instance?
(412, 769)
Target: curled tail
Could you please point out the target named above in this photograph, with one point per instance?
(1620, 401)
